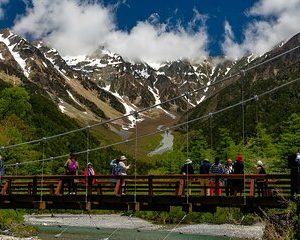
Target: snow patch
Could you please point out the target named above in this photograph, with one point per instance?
(156, 66)
(143, 73)
(16, 55)
(73, 98)
(201, 100)
(160, 73)
(129, 108)
(62, 108)
(227, 70)
(157, 100)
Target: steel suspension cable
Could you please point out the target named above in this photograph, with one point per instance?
(173, 229)
(135, 155)
(86, 165)
(43, 164)
(153, 106)
(243, 129)
(187, 147)
(211, 130)
(255, 97)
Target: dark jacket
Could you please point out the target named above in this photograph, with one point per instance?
(187, 169)
(238, 167)
(204, 167)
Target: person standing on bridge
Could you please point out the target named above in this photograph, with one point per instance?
(294, 165)
(228, 169)
(122, 170)
(204, 182)
(216, 182)
(187, 167)
(238, 166)
(72, 167)
(261, 183)
(89, 172)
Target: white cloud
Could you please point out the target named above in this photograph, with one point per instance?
(78, 28)
(278, 21)
(2, 10)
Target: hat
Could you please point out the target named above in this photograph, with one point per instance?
(89, 163)
(239, 157)
(122, 158)
(259, 163)
(188, 161)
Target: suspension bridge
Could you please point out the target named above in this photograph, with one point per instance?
(153, 192)
(144, 193)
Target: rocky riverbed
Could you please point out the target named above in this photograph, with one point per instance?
(125, 222)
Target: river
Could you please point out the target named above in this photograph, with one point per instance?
(116, 226)
(66, 233)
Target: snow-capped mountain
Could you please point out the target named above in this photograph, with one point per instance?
(103, 85)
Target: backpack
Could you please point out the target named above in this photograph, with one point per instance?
(72, 166)
(114, 165)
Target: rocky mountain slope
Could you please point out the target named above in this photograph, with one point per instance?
(262, 75)
(103, 85)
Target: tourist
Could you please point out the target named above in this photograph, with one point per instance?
(216, 182)
(228, 169)
(261, 183)
(205, 166)
(114, 169)
(187, 167)
(72, 167)
(294, 165)
(238, 166)
(122, 170)
(204, 182)
(89, 172)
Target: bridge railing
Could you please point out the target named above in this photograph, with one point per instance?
(252, 185)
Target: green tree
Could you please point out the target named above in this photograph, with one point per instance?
(14, 100)
(198, 146)
(226, 146)
(290, 138)
(263, 144)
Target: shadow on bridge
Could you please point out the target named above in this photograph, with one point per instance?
(143, 193)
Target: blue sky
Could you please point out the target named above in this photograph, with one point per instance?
(155, 30)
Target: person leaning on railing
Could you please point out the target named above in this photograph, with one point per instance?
(228, 169)
(72, 167)
(216, 168)
(260, 182)
(122, 170)
(238, 166)
(204, 182)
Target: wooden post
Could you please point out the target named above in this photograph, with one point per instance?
(181, 187)
(118, 187)
(58, 190)
(252, 188)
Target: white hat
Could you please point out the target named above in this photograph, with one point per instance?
(188, 161)
(259, 163)
(122, 158)
(89, 163)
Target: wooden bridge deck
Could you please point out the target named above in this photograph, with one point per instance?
(142, 193)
